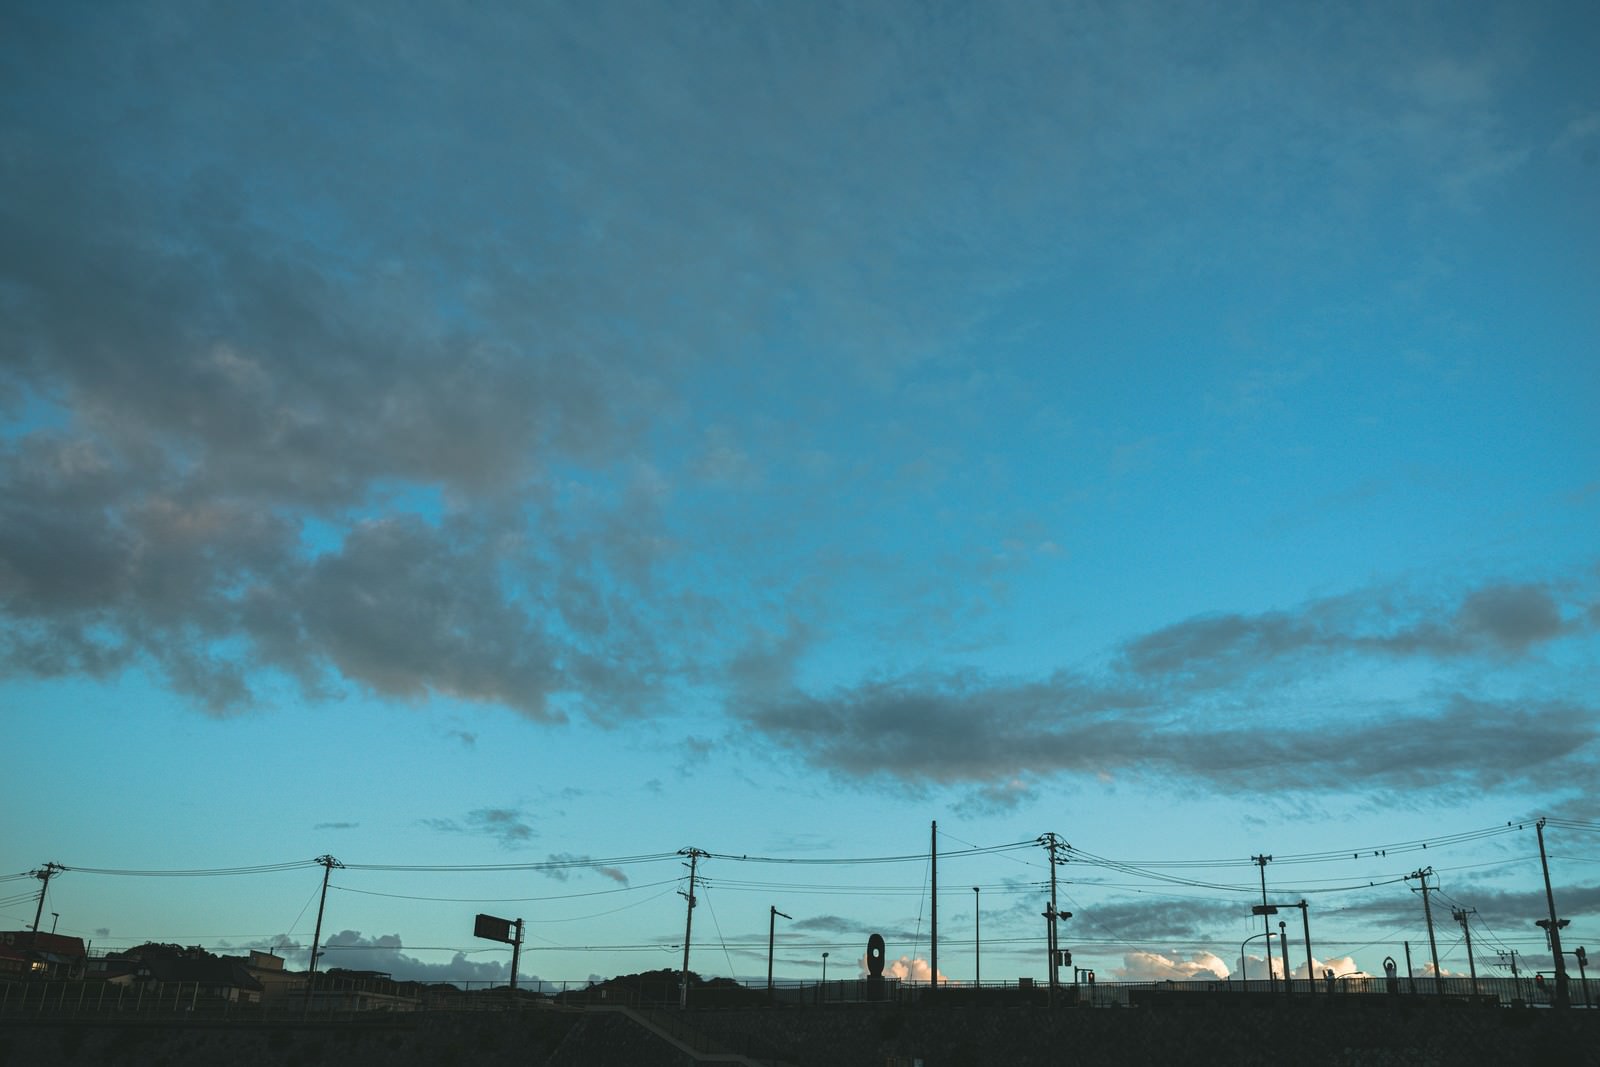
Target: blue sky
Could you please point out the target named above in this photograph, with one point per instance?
(565, 433)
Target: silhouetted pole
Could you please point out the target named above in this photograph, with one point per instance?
(694, 855)
(1266, 923)
(1244, 968)
(772, 930)
(44, 874)
(1427, 914)
(1052, 842)
(1411, 976)
(1311, 968)
(933, 910)
(1283, 949)
(516, 955)
(328, 864)
(977, 939)
(1555, 925)
(1460, 916)
(1050, 947)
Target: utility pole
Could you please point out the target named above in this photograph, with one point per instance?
(1052, 843)
(1460, 916)
(1516, 979)
(516, 956)
(1555, 925)
(1427, 914)
(328, 864)
(977, 938)
(772, 930)
(933, 910)
(44, 874)
(1311, 970)
(1266, 924)
(694, 855)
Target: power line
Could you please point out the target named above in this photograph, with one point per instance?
(568, 864)
(213, 872)
(504, 900)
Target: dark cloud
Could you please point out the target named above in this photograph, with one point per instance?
(1510, 617)
(336, 826)
(1211, 700)
(506, 825)
(953, 727)
(1505, 620)
(572, 862)
(409, 609)
(1141, 921)
(96, 574)
(828, 924)
(961, 730)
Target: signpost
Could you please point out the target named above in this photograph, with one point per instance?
(509, 931)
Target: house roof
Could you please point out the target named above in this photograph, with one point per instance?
(58, 945)
(214, 972)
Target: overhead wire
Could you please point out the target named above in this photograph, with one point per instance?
(213, 872)
(504, 900)
(567, 864)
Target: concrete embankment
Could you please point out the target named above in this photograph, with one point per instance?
(856, 1036)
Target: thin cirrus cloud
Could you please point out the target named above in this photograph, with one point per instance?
(508, 826)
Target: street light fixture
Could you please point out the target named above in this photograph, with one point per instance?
(824, 977)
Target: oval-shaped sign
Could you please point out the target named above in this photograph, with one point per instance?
(875, 955)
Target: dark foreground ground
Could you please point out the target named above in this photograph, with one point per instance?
(846, 1036)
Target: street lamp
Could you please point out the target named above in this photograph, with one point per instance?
(824, 977)
(1244, 972)
(1283, 948)
(977, 943)
(772, 929)
(55, 917)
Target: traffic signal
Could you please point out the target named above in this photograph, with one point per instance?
(1066, 957)
(1583, 957)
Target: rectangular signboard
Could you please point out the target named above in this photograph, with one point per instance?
(493, 929)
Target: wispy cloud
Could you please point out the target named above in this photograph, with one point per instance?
(571, 862)
(509, 826)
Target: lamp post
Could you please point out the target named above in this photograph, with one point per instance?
(977, 942)
(824, 977)
(772, 929)
(1283, 949)
(1244, 971)
(55, 917)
